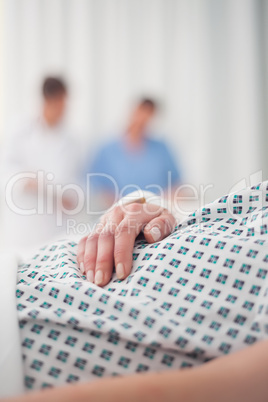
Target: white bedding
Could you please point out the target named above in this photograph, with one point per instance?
(11, 372)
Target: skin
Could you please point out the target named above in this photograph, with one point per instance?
(239, 377)
(53, 109)
(139, 121)
(112, 241)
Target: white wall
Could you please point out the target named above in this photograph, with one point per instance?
(202, 58)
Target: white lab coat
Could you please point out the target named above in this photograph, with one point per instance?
(33, 147)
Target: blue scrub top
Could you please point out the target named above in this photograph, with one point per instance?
(142, 167)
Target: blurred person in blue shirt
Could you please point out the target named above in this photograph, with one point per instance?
(135, 160)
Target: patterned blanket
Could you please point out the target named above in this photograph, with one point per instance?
(198, 294)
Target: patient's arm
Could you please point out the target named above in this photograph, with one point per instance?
(239, 377)
(112, 242)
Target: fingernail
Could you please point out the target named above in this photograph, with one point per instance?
(90, 276)
(155, 232)
(120, 271)
(82, 268)
(98, 277)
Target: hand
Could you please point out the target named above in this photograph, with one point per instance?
(31, 185)
(112, 241)
(67, 203)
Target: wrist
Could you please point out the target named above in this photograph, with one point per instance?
(142, 196)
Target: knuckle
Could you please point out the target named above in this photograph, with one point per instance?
(81, 241)
(103, 218)
(163, 219)
(168, 221)
(116, 211)
(129, 226)
(118, 252)
(165, 211)
(89, 259)
(110, 226)
(164, 222)
(122, 228)
(171, 217)
(93, 236)
(106, 233)
(79, 257)
(99, 227)
(103, 263)
(134, 208)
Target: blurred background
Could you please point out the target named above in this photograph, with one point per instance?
(205, 61)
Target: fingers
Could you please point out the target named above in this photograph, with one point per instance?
(104, 261)
(159, 227)
(99, 248)
(80, 254)
(87, 250)
(90, 256)
(105, 253)
(124, 243)
(113, 240)
(135, 219)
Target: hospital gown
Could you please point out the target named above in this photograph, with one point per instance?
(200, 293)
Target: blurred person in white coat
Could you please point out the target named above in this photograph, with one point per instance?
(44, 152)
